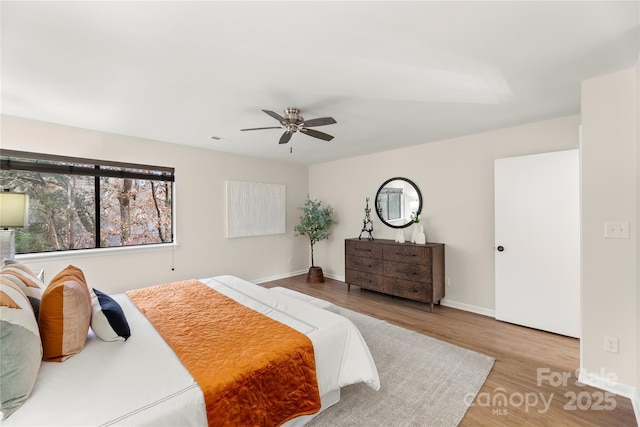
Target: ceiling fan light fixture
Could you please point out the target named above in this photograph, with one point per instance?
(293, 116)
(292, 127)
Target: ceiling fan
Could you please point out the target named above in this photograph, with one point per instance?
(293, 122)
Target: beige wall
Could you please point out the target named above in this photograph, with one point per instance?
(610, 286)
(455, 178)
(202, 249)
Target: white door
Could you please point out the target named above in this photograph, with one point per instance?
(537, 241)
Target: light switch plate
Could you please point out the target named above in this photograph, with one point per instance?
(616, 230)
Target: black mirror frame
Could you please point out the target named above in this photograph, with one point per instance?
(419, 198)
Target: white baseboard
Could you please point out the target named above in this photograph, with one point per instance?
(279, 276)
(468, 307)
(624, 390)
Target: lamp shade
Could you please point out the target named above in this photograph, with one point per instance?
(13, 209)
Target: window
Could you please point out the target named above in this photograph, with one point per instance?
(82, 204)
(390, 203)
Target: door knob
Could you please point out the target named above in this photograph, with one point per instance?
(500, 248)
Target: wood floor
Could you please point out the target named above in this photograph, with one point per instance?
(533, 381)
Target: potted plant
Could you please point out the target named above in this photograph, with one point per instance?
(314, 223)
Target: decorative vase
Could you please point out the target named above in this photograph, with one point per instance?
(417, 235)
(399, 236)
(421, 238)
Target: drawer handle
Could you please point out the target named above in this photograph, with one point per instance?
(399, 254)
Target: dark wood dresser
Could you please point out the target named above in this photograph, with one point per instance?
(404, 270)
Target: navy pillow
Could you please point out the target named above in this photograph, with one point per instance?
(107, 319)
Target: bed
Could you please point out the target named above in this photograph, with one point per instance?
(142, 382)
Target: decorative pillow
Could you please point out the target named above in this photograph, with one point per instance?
(107, 318)
(21, 348)
(22, 276)
(65, 315)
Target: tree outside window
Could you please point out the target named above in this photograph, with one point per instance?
(88, 207)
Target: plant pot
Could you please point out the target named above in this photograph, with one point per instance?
(315, 275)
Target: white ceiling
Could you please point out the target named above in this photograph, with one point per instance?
(392, 74)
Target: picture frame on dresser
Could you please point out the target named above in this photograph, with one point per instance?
(405, 270)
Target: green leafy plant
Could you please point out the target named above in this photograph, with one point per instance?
(314, 222)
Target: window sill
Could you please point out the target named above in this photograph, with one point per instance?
(91, 253)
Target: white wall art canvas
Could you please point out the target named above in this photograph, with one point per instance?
(255, 209)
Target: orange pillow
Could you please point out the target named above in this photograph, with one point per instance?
(65, 315)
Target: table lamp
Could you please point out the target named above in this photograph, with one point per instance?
(13, 211)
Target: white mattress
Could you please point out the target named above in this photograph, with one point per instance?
(141, 381)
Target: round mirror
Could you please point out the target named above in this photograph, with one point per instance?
(397, 200)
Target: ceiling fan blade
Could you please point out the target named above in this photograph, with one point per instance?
(322, 121)
(316, 134)
(270, 127)
(285, 138)
(276, 116)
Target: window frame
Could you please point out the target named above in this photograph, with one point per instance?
(32, 162)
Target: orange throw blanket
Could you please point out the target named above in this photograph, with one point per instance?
(253, 370)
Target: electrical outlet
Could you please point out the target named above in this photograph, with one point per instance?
(611, 344)
(616, 230)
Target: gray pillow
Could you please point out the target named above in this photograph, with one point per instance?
(21, 348)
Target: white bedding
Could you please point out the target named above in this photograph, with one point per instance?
(141, 382)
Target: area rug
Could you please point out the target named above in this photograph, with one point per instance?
(423, 381)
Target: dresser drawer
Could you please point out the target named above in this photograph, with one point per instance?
(404, 270)
(369, 265)
(408, 271)
(416, 291)
(409, 253)
(362, 279)
(363, 248)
